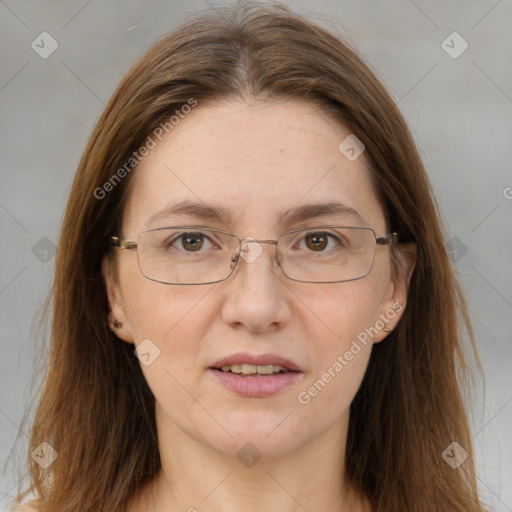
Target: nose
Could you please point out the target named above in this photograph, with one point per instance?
(256, 293)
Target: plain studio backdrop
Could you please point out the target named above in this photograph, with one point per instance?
(446, 63)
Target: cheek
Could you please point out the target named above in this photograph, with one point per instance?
(340, 333)
(175, 320)
(328, 394)
(158, 311)
(339, 313)
(168, 323)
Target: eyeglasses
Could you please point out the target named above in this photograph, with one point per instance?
(197, 255)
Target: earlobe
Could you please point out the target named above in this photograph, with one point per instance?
(116, 313)
(388, 319)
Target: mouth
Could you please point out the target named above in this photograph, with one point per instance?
(252, 369)
(248, 364)
(256, 376)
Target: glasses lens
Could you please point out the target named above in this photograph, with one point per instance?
(327, 254)
(186, 255)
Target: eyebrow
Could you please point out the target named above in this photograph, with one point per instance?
(292, 215)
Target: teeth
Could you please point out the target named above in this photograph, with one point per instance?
(251, 369)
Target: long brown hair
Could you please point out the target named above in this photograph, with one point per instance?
(95, 408)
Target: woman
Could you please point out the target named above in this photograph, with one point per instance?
(253, 306)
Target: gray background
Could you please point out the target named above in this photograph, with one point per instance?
(459, 111)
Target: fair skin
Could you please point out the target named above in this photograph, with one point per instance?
(256, 160)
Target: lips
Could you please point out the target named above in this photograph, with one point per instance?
(250, 376)
(261, 360)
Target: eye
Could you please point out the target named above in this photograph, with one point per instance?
(190, 242)
(317, 241)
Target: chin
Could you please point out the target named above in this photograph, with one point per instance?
(270, 434)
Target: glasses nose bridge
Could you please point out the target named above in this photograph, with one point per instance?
(249, 240)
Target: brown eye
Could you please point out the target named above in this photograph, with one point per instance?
(192, 242)
(317, 241)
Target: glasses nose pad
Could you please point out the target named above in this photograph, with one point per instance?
(234, 260)
(250, 250)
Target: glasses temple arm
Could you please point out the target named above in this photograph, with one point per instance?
(123, 244)
(391, 239)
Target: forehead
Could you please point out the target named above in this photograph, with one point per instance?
(254, 161)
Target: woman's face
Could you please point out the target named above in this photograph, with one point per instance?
(254, 160)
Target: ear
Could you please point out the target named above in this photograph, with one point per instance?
(403, 262)
(116, 309)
